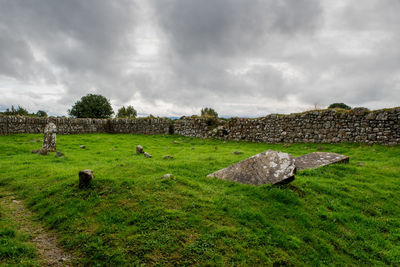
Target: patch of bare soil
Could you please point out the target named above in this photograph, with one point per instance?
(46, 242)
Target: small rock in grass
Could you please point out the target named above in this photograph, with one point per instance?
(85, 177)
(167, 176)
(139, 150)
(147, 155)
(59, 154)
(168, 157)
(43, 152)
(237, 152)
(175, 142)
(320, 148)
(224, 142)
(82, 146)
(360, 164)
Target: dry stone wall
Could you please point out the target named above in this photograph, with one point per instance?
(324, 126)
(142, 126)
(17, 124)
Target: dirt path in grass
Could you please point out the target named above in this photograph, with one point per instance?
(50, 253)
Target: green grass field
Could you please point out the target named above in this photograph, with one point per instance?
(14, 246)
(340, 215)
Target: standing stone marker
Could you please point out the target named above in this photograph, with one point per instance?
(49, 139)
(268, 167)
(318, 159)
(85, 177)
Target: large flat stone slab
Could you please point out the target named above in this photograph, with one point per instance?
(318, 159)
(268, 167)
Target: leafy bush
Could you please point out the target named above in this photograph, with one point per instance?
(209, 112)
(339, 105)
(41, 113)
(128, 112)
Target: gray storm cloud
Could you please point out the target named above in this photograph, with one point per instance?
(172, 57)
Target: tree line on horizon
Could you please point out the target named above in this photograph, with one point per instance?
(98, 106)
(23, 112)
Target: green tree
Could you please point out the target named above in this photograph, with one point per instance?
(41, 113)
(92, 106)
(209, 112)
(339, 105)
(128, 112)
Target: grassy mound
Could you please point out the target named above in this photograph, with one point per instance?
(336, 215)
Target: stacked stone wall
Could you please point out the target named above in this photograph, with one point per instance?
(18, 124)
(323, 126)
(142, 125)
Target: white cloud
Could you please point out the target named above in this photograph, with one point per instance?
(173, 57)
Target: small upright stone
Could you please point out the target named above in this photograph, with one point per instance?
(49, 139)
(82, 146)
(139, 150)
(85, 177)
(147, 155)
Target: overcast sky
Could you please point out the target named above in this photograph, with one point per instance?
(173, 57)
